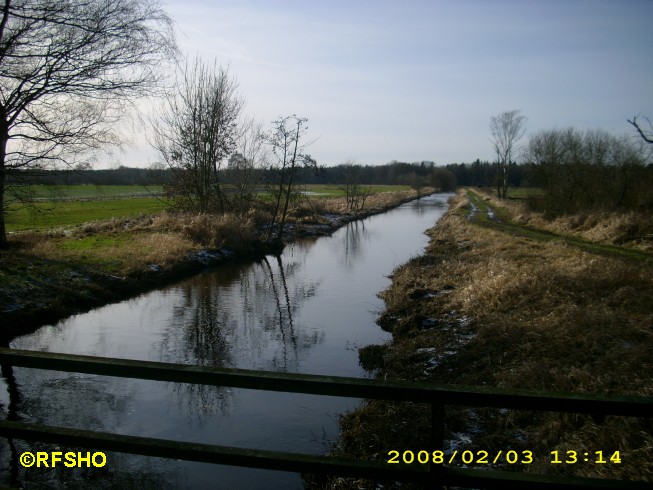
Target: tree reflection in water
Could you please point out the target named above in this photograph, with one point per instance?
(355, 236)
(238, 317)
(296, 312)
(80, 401)
(13, 391)
(420, 207)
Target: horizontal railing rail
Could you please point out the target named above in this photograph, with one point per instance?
(438, 396)
(331, 385)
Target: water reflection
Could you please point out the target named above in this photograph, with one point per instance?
(288, 338)
(356, 235)
(241, 317)
(80, 401)
(299, 312)
(238, 317)
(13, 390)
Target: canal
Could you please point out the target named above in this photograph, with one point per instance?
(307, 311)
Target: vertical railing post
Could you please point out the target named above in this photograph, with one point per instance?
(437, 440)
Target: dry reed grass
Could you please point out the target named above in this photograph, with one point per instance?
(634, 229)
(625, 228)
(215, 231)
(338, 205)
(486, 308)
(121, 253)
(123, 246)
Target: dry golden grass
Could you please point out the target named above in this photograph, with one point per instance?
(552, 302)
(215, 231)
(123, 246)
(634, 229)
(626, 228)
(495, 309)
(120, 253)
(127, 245)
(338, 205)
(163, 249)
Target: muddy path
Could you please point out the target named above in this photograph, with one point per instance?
(482, 213)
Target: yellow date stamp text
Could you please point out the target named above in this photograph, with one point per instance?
(469, 457)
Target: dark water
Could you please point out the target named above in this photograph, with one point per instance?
(307, 311)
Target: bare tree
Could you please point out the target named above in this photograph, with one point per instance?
(244, 167)
(288, 148)
(648, 136)
(416, 182)
(195, 131)
(507, 128)
(355, 193)
(585, 170)
(67, 68)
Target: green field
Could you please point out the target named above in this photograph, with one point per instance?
(62, 206)
(334, 190)
(68, 192)
(47, 215)
(98, 192)
(70, 205)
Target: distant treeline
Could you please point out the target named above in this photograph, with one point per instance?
(118, 176)
(393, 173)
(584, 178)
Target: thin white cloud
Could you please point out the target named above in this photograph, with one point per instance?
(420, 80)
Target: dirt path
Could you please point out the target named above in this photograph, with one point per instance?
(513, 310)
(480, 212)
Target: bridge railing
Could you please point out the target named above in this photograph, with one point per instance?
(437, 396)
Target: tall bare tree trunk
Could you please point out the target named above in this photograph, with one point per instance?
(4, 244)
(289, 188)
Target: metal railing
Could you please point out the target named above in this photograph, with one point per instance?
(436, 395)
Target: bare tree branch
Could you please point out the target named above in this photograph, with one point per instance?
(195, 131)
(286, 142)
(507, 128)
(648, 139)
(68, 68)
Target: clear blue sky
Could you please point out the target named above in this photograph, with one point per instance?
(416, 80)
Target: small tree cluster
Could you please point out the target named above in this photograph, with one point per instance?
(443, 179)
(355, 192)
(415, 181)
(589, 170)
(243, 174)
(218, 160)
(195, 132)
(287, 146)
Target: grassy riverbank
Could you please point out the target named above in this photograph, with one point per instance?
(497, 300)
(50, 273)
(57, 207)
